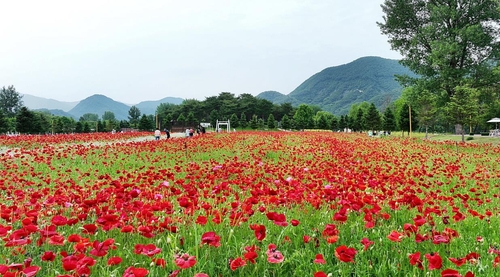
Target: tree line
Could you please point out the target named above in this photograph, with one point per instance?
(243, 111)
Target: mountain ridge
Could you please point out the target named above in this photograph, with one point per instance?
(335, 89)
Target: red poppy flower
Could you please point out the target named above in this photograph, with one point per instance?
(184, 261)
(276, 257)
(114, 260)
(201, 275)
(366, 243)
(435, 261)
(89, 229)
(48, 256)
(319, 259)
(202, 220)
(294, 222)
(320, 274)
(496, 261)
(59, 220)
(135, 272)
(259, 231)
(210, 238)
(237, 263)
(415, 260)
(159, 262)
(148, 250)
(345, 254)
(395, 236)
(450, 273)
(330, 230)
(127, 229)
(250, 254)
(458, 261)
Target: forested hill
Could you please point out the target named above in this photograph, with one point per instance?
(99, 104)
(336, 89)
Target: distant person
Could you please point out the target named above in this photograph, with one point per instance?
(167, 132)
(187, 133)
(157, 134)
(203, 130)
(191, 132)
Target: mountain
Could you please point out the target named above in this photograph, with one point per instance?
(98, 104)
(35, 102)
(335, 89)
(56, 112)
(277, 97)
(149, 107)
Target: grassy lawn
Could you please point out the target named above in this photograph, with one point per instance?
(453, 137)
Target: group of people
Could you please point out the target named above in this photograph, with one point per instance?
(189, 132)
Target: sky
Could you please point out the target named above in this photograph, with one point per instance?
(133, 51)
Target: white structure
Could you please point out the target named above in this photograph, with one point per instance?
(226, 123)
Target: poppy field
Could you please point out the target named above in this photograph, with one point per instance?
(248, 204)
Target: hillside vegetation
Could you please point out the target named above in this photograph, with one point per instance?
(336, 89)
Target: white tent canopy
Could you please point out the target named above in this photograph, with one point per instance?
(494, 120)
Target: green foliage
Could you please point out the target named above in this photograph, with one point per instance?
(389, 121)
(234, 121)
(190, 118)
(89, 117)
(108, 115)
(462, 107)
(24, 121)
(304, 117)
(181, 118)
(372, 118)
(404, 118)
(145, 124)
(10, 101)
(4, 127)
(254, 124)
(285, 122)
(133, 115)
(271, 122)
(243, 120)
(336, 89)
(445, 42)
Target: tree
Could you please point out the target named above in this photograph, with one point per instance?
(359, 124)
(323, 120)
(234, 121)
(261, 123)
(445, 42)
(108, 115)
(462, 107)
(182, 118)
(10, 101)
(145, 124)
(271, 121)
(404, 119)
(342, 123)
(89, 117)
(243, 120)
(191, 119)
(372, 118)
(303, 117)
(79, 127)
(24, 121)
(285, 122)
(389, 121)
(4, 127)
(254, 123)
(133, 115)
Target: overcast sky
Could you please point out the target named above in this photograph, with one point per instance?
(133, 51)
